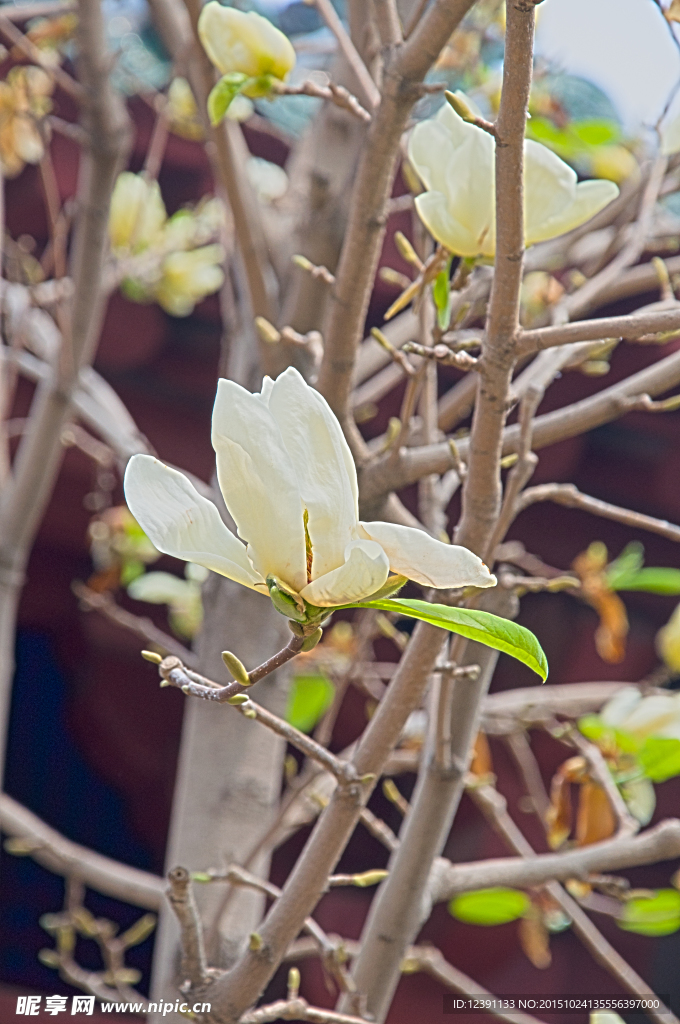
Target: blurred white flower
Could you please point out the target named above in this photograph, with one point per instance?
(188, 277)
(655, 715)
(269, 180)
(289, 482)
(137, 214)
(455, 161)
(182, 596)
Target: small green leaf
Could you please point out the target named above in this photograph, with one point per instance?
(658, 915)
(660, 758)
(628, 563)
(596, 131)
(490, 906)
(131, 570)
(441, 294)
(310, 696)
(485, 628)
(654, 580)
(221, 95)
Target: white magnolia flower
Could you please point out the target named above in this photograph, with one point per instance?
(289, 483)
(655, 715)
(455, 161)
(245, 43)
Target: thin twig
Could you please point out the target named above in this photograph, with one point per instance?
(349, 50)
(173, 673)
(141, 627)
(34, 53)
(333, 93)
(569, 496)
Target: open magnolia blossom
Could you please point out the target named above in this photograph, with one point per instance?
(245, 44)
(289, 482)
(655, 715)
(456, 162)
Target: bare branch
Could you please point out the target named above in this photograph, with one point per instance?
(180, 894)
(631, 326)
(405, 67)
(141, 627)
(569, 496)
(47, 847)
(569, 421)
(656, 844)
(349, 50)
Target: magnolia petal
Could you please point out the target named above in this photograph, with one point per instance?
(618, 707)
(323, 465)
(181, 522)
(590, 197)
(430, 137)
(433, 210)
(259, 484)
(365, 570)
(416, 555)
(549, 186)
(656, 715)
(471, 196)
(161, 588)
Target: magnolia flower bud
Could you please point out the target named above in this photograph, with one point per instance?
(137, 215)
(245, 43)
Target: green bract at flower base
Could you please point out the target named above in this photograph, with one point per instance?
(232, 85)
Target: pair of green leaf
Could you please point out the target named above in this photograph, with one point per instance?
(658, 914)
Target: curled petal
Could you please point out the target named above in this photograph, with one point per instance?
(181, 522)
(416, 555)
(365, 570)
(589, 198)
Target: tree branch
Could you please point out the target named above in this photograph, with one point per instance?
(631, 326)
(181, 897)
(62, 856)
(656, 844)
(569, 496)
(405, 67)
(381, 478)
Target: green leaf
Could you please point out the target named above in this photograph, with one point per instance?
(490, 906)
(628, 563)
(660, 758)
(596, 131)
(131, 570)
(654, 580)
(485, 628)
(223, 93)
(441, 294)
(309, 697)
(658, 915)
